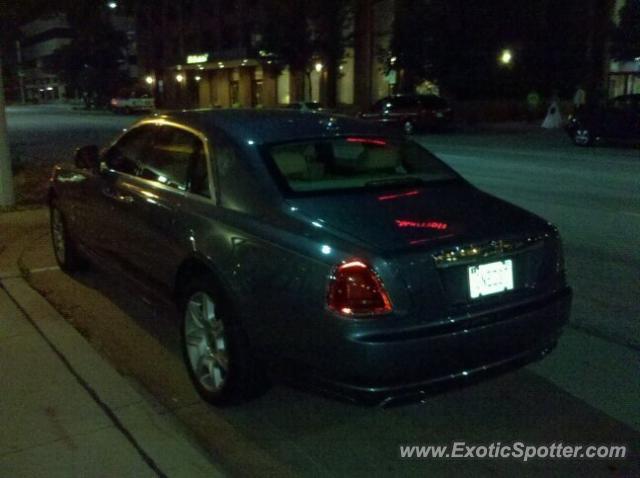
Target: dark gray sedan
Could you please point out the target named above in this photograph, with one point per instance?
(314, 245)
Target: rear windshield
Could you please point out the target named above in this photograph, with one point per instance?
(350, 163)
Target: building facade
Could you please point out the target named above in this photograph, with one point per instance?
(42, 38)
(249, 77)
(623, 76)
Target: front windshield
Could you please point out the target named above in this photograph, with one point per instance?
(354, 163)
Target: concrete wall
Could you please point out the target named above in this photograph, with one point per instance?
(245, 78)
(204, 92)
(283, 87)
(223, 97)
(269, 88)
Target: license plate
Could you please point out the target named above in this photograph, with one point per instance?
(492, 278)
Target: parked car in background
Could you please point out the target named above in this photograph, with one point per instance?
(618, 119)
(308, 106)
(411, 112)
(318, 246)
(129, 101)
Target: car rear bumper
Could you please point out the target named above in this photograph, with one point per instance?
(384, 367)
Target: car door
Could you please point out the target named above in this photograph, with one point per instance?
(157, 191)
(107, 205)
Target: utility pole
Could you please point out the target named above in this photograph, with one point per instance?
(7, 198)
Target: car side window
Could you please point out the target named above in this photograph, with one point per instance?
(622, 103)
(167, 160)
(401, 102)
(379, 105)
(125, 156)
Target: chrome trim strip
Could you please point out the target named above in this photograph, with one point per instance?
(470, 253)
(161, 121)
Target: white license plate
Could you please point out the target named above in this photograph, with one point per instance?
(492, 278)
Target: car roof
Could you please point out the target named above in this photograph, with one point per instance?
(273, 125)
(634, 96)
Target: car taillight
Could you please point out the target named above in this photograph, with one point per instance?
(356, 290)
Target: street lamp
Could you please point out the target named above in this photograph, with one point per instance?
(148, 80)
(506, 57)
(179, 77)
(318, 66)
(112, 5)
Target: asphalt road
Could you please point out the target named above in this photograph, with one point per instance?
(51, 133)
(586, 392)
(592, 195)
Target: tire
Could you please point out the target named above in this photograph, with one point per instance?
(582, 136)
(408, 127)
(215, 347)
(64, 247)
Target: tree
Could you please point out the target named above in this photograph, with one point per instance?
(92, 63)
(299, 30)
(555, 45)
(7, 197)
(329, 21)
(286, 34)
(626, 37)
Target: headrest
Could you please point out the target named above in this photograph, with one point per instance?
(374, 158)
(290, 163)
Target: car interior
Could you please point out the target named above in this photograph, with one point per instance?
(351, 163)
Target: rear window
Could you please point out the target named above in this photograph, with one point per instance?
(350, 163)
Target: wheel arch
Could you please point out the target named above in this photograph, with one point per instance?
(198, 265)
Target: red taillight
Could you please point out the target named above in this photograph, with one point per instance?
(374, 141)
(355, 290)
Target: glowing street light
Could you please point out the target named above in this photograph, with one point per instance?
(148, 80)
(506, 57)
(179, 77)
(198, 78)
(112, 5)
(318, 66)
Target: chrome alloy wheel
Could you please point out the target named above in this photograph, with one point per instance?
(582, 137)
(58, 236)
(205, 342)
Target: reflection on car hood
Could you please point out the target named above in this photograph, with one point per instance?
(416, 218)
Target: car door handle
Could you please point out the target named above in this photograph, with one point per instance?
(111, 194)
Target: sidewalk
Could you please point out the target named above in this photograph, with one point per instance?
(64, 411)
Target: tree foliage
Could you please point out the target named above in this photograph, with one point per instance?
(626, 37)
(91, 64)
(457, 43)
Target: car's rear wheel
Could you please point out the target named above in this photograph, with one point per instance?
(64, 247)
(215, 348)
(582, 137)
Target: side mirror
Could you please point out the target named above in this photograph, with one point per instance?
(88, 157)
